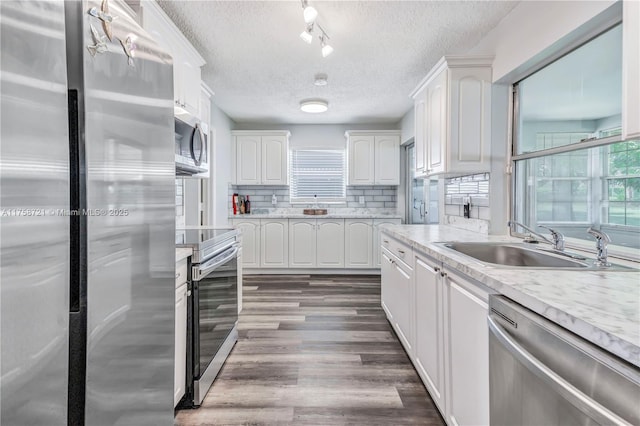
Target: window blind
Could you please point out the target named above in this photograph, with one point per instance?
(317, 172)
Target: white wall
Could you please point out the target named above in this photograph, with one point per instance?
(221, 126)
(534, 31)
(407, 126)
(316, 135)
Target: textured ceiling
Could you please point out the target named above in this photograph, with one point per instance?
(260, 70)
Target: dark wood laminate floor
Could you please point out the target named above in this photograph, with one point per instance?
(315, 350)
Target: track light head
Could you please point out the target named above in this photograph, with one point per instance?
(310, 14)
(306, 35)
(326, 49)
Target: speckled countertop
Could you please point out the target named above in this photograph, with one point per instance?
(183, 252)
(337, 213)
(603, 307)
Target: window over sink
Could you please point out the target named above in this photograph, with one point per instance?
(572, 170)
(317, 174)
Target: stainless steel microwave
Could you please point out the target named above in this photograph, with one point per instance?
(191, 147)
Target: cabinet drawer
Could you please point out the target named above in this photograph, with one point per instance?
(181, 272)
(398, 249)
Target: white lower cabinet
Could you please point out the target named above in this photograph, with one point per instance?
(468, 353)
(377, 238)
(441, 319)
(358, 243)
(274, 243)
(330, 243)
(180, 354)
(302, 243)
(250, 235)
(429, 347)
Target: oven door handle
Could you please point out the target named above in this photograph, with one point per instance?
(209, 266)
(573, 395)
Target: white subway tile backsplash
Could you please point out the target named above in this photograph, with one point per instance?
(474, 188)
(374, 196)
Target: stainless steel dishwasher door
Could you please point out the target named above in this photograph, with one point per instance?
(541, 374)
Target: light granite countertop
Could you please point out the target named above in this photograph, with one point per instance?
(333, 213)
(183, 253)
(603, 307)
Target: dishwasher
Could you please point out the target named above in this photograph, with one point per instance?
(542, 374)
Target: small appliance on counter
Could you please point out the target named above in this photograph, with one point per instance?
(212, 309)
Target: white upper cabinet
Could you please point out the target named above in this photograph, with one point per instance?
(453, 117)
(261, 157)
(186, 59)
(630, 69)
(205, 106)
(361, 160)
(248, 155)
(374, 157)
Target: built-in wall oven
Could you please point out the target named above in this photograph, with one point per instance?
(542, 374)
(212, 311)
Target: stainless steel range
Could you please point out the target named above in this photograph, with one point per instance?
(212, 310)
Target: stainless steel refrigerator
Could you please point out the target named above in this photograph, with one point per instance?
(87, 221)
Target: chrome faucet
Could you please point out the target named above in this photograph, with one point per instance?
(558, 238)
(602, 240)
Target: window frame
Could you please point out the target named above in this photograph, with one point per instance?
(320, 200)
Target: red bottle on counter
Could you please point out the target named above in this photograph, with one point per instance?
(247, 206)
(234, 201)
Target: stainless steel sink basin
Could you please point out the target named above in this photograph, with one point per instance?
(524, 256)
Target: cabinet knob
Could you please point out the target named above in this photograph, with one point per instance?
(436, 268)
(177, 275)
(400, 251)
(443, 274)
(386, 241)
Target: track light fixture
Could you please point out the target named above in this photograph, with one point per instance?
(310, 15)
(307, 35)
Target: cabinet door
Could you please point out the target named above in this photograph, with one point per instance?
(468, 352)
(191, 78)
(159, 30)
(469, 140)
(180, 359)
(378, 238)
(302, 243)
(248, 160)
(429, 359)
(205, 110)
(330, 243)
(358, 243)
(274, 160)
(361, 160)
(387, 160)
(436, 123)
(420, 136)
(386, 285)
(274, 239)
(250, 242)
(402, 308)
(630, 69)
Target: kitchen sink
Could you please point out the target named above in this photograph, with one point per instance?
(521, 255)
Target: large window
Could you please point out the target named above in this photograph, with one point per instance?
(571, 169)
(318, 174)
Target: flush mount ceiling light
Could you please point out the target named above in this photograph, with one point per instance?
(310, 15)
(314, 106)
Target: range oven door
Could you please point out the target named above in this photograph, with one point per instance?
(215, 315)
